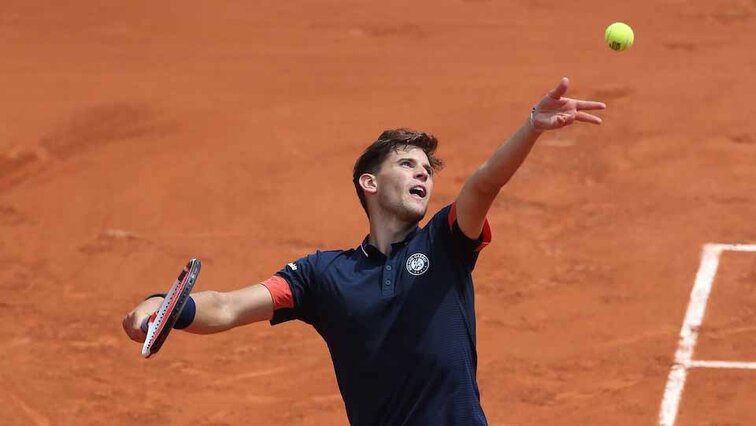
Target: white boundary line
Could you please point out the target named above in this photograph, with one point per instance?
(733, 247)
(723, 364)
(699, 296)
(689, 333)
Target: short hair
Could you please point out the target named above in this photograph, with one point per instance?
(392, 140)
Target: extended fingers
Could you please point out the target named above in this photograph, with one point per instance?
(587, 118)
(589, 105)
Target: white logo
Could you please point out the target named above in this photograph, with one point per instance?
(293, 266)
(417, 264)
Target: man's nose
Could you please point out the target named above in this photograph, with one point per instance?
(421, 174)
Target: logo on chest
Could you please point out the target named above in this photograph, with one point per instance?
(417, 264)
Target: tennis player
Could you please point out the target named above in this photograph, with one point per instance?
(398, 310)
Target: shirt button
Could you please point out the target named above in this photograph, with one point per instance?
(388, 282)
(388, 267)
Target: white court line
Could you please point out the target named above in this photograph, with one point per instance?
(723, 364)
(689, 332)
(734, 247)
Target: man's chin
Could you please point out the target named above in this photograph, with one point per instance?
(416, 214)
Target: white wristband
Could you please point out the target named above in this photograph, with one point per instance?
(532, 120)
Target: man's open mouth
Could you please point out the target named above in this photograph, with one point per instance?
(418, 191)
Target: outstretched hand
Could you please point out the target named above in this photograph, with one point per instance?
(555, 111)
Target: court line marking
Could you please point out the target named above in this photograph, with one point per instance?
(722, 364)
(734, 247)
(699, 297)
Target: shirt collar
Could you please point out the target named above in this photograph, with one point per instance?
(368, 250)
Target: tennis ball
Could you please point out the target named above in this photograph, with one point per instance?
(619, 36)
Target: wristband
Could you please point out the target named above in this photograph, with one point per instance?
(186, 317)
(531, 120)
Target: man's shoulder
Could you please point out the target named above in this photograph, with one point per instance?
(325, 258)
(441, 218)
(333, 254)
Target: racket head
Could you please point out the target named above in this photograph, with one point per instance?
(162, 321)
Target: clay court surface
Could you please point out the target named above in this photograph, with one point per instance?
(134, 136)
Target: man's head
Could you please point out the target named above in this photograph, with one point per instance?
(395, 173)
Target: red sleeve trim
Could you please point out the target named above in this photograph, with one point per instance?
(485, 236)
(280, 291)
(452, 215)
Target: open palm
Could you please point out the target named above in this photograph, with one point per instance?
(555, 111)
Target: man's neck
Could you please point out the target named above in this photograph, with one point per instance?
(386, 230)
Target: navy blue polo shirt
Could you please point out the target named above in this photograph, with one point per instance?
(400, 329)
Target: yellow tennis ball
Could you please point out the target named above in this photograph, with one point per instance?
(619, 36)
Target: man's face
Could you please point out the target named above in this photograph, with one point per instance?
(405, 183)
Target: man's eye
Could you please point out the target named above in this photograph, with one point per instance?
(405, 163)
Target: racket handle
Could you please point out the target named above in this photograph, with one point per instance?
(145, 326)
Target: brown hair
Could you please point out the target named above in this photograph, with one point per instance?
(392, 140)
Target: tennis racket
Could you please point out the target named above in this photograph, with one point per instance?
(160, 324)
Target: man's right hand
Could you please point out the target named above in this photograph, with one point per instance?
(132, 322)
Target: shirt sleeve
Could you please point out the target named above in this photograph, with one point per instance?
(466, 249)
(292, 289)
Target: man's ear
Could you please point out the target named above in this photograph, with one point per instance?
(368, 183)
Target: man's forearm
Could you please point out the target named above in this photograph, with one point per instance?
(552, 112)
(503, 164)
(218, 311)
(213, 313)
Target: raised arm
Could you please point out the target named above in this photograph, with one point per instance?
(554, 111)
(215, 311)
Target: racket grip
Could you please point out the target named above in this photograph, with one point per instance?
(145, 326)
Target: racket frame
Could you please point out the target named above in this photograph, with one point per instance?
(160, 324)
